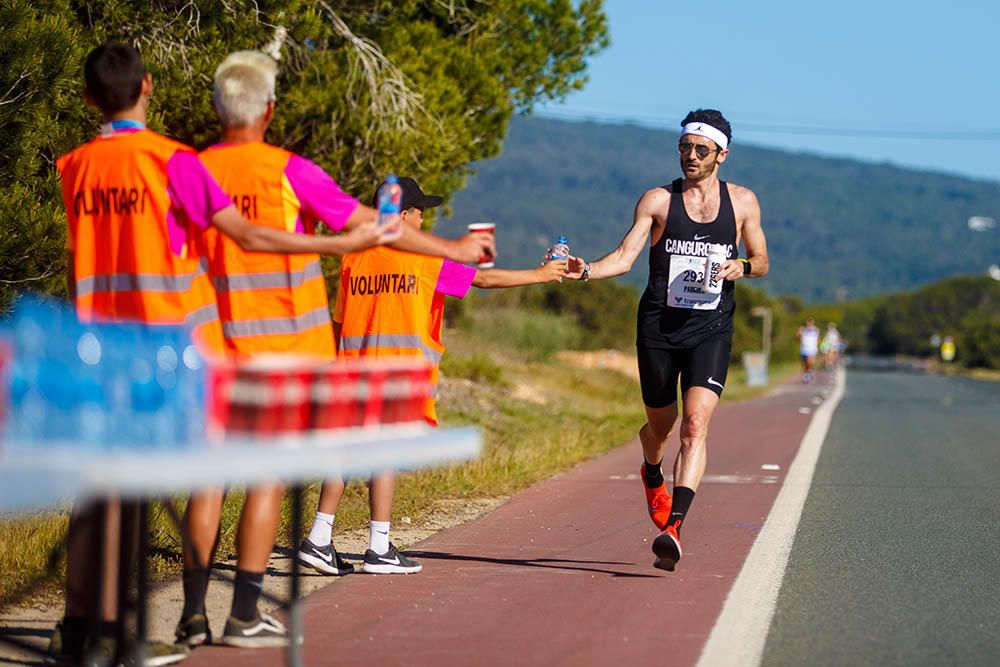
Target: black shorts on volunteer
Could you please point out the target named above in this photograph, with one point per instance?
(704, 365)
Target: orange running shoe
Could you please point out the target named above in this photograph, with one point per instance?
(658, 501)
(667, 547)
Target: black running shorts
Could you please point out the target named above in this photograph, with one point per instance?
(704, 365)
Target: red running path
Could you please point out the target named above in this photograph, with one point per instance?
(562, 573)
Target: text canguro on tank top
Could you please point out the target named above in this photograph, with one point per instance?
(674, 311)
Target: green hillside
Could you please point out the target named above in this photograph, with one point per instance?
(870, 228)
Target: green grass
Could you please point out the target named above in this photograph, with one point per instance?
(572, 414)
(478, 368)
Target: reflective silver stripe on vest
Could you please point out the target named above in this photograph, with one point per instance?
(202, 315)
(270, 280)
(138, 282)
(277, 325)
(374, 340)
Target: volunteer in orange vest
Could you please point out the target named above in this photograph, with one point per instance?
(391, 304)
(268, 304)
(135, 203)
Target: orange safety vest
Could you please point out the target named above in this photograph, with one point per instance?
(115, 193)
(268, 302)
(388, 306)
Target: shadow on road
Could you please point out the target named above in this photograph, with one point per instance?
(546, 563)
(9, 636)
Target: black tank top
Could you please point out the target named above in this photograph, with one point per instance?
(683, 242)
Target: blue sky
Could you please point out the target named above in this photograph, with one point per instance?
(911, 83)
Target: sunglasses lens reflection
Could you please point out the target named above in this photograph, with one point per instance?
(701, 151)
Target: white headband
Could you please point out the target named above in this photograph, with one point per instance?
(707, 131)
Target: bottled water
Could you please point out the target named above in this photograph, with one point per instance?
(717, 253)
(390, 196)
(99, 386)
(560, 250)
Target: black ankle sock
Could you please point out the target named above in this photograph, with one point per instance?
(73, 634)
(195, 590)
(653, 475)
(246, 593)
(682, 503)
(108, 628)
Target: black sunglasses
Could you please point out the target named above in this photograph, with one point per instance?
(700, 150)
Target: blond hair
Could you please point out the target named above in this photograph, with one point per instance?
(244, 84)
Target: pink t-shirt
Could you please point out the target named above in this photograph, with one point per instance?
(193, 190)
(320, 196)
(455, 279)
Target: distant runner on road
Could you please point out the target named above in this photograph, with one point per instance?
(808, 348)
(831, 346)
(685, 323)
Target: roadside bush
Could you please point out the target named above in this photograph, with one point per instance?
(978, 343)
(525, 334)
(478, 368)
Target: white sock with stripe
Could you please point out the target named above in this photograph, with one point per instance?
(322, 530)
(378, 536)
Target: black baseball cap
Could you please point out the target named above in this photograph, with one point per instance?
(413, 196)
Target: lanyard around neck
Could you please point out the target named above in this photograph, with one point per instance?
(113, 127)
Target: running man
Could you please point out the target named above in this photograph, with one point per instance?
(404, 320)
(269, 303)
(808, 349)
(831, 346)
(683, 329)
(134, 200)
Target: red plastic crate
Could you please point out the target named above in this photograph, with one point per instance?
(275, 397)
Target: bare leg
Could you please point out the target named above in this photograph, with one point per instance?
(81, 568)
(201, 520)
(330, 495)
(380, 493)
(258, 524)
(656, 431)
(699, 404)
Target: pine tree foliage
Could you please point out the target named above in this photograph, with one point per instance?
(414, 87)
(40, 115)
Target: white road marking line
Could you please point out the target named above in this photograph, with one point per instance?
(740, 632)
(770, 466)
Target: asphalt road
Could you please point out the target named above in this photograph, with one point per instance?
(897, 556)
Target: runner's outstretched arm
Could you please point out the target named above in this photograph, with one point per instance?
(551, 272)
(620, 260)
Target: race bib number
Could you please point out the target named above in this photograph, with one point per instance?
(687, 284)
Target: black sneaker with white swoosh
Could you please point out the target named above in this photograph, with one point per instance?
(323, 559)
(261, 632)
(391, 562)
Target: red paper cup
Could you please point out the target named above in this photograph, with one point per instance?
(486, 261)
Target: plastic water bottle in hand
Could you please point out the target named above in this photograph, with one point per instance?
(390, 196)
(717, 254)
(560, 250)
